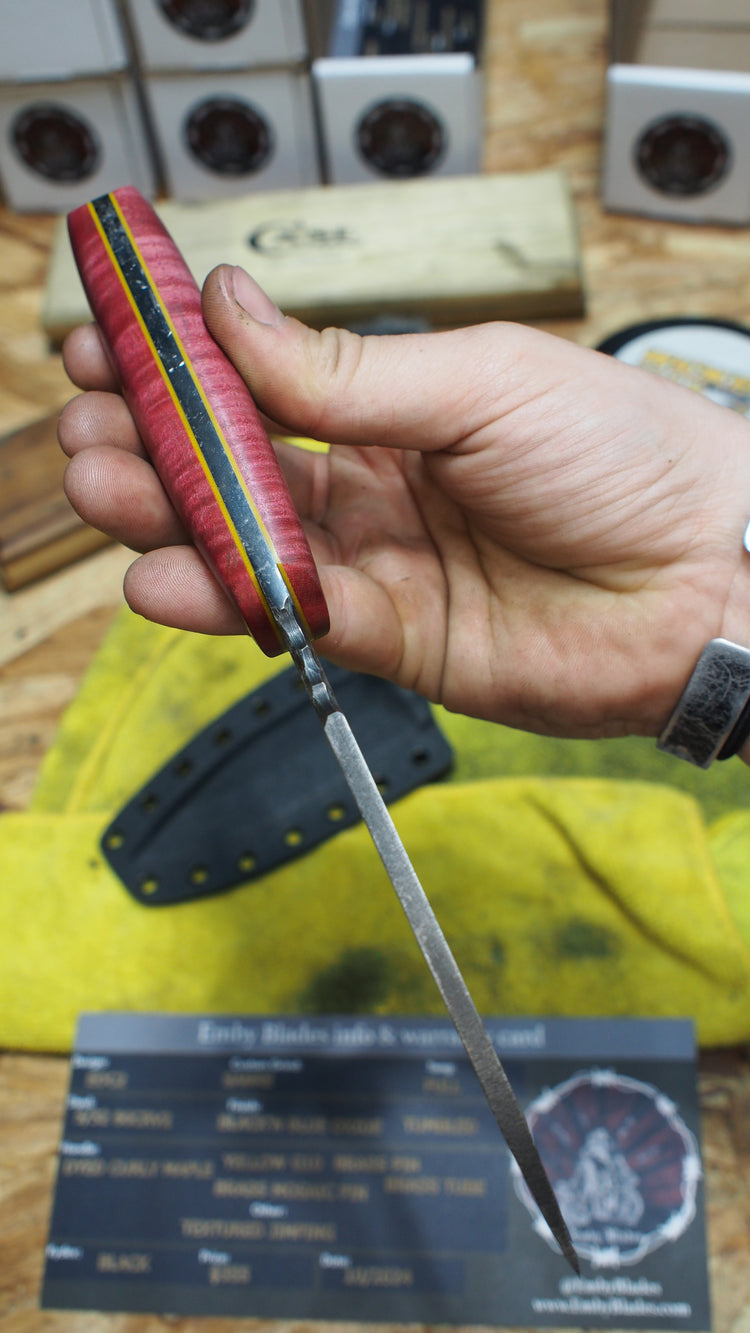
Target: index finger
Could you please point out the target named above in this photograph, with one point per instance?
(86, 361)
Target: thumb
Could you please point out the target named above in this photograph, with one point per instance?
(337, 386)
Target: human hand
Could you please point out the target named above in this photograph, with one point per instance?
(511, 525)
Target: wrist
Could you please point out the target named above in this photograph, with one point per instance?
(735, 620)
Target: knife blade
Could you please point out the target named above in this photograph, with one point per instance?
(206, 440)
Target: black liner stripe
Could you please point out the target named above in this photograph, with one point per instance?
(186, 388)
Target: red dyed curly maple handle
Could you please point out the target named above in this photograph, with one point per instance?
(194, 414)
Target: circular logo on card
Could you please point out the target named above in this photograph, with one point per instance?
(623, 1165)
(400, 138)
(55, 143)
(228, 136)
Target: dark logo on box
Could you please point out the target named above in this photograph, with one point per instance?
(228, 136)
(55, 143)
(208, 20)
(683, 155)
(401, 138)
(279, 238)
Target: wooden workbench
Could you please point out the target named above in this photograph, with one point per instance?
(545, 68)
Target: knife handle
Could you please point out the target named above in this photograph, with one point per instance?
(194, 414)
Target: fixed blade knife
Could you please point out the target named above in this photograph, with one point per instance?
(211, 451)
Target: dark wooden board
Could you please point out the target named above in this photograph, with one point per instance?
(39, 530)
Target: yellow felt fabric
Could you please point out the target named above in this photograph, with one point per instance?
(582, 894)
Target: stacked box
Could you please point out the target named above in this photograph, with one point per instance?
(678, 107)
(71, 124)
(215, 98)
(227, 85)
(399, 89)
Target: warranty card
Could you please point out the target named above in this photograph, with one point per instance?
(350, 1169)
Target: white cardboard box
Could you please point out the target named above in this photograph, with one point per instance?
(695, 48)
(700, 13)
(677, 144)
(63, 143)
(180, 35)
(59, 39)
(226, 134)
(398, 117)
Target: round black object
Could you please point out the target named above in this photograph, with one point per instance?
(400, 138)
(620, 342)
(228, 136)
(55, 143)
(682, 155)
(711, 356)
(208, 20)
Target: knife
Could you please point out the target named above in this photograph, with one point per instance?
(206, 441)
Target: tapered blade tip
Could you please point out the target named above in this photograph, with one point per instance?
(562, 1236)
(572, 1258)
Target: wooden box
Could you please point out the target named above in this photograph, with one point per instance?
(439, 252)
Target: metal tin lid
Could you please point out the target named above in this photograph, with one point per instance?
(709, 355)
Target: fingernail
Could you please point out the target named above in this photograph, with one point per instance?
(253, 299)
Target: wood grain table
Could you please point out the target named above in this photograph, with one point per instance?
(545, 81)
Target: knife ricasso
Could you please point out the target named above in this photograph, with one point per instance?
(162, 413)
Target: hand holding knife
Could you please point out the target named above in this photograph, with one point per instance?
(210, 449)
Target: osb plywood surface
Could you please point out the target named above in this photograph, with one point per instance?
(545, 80)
